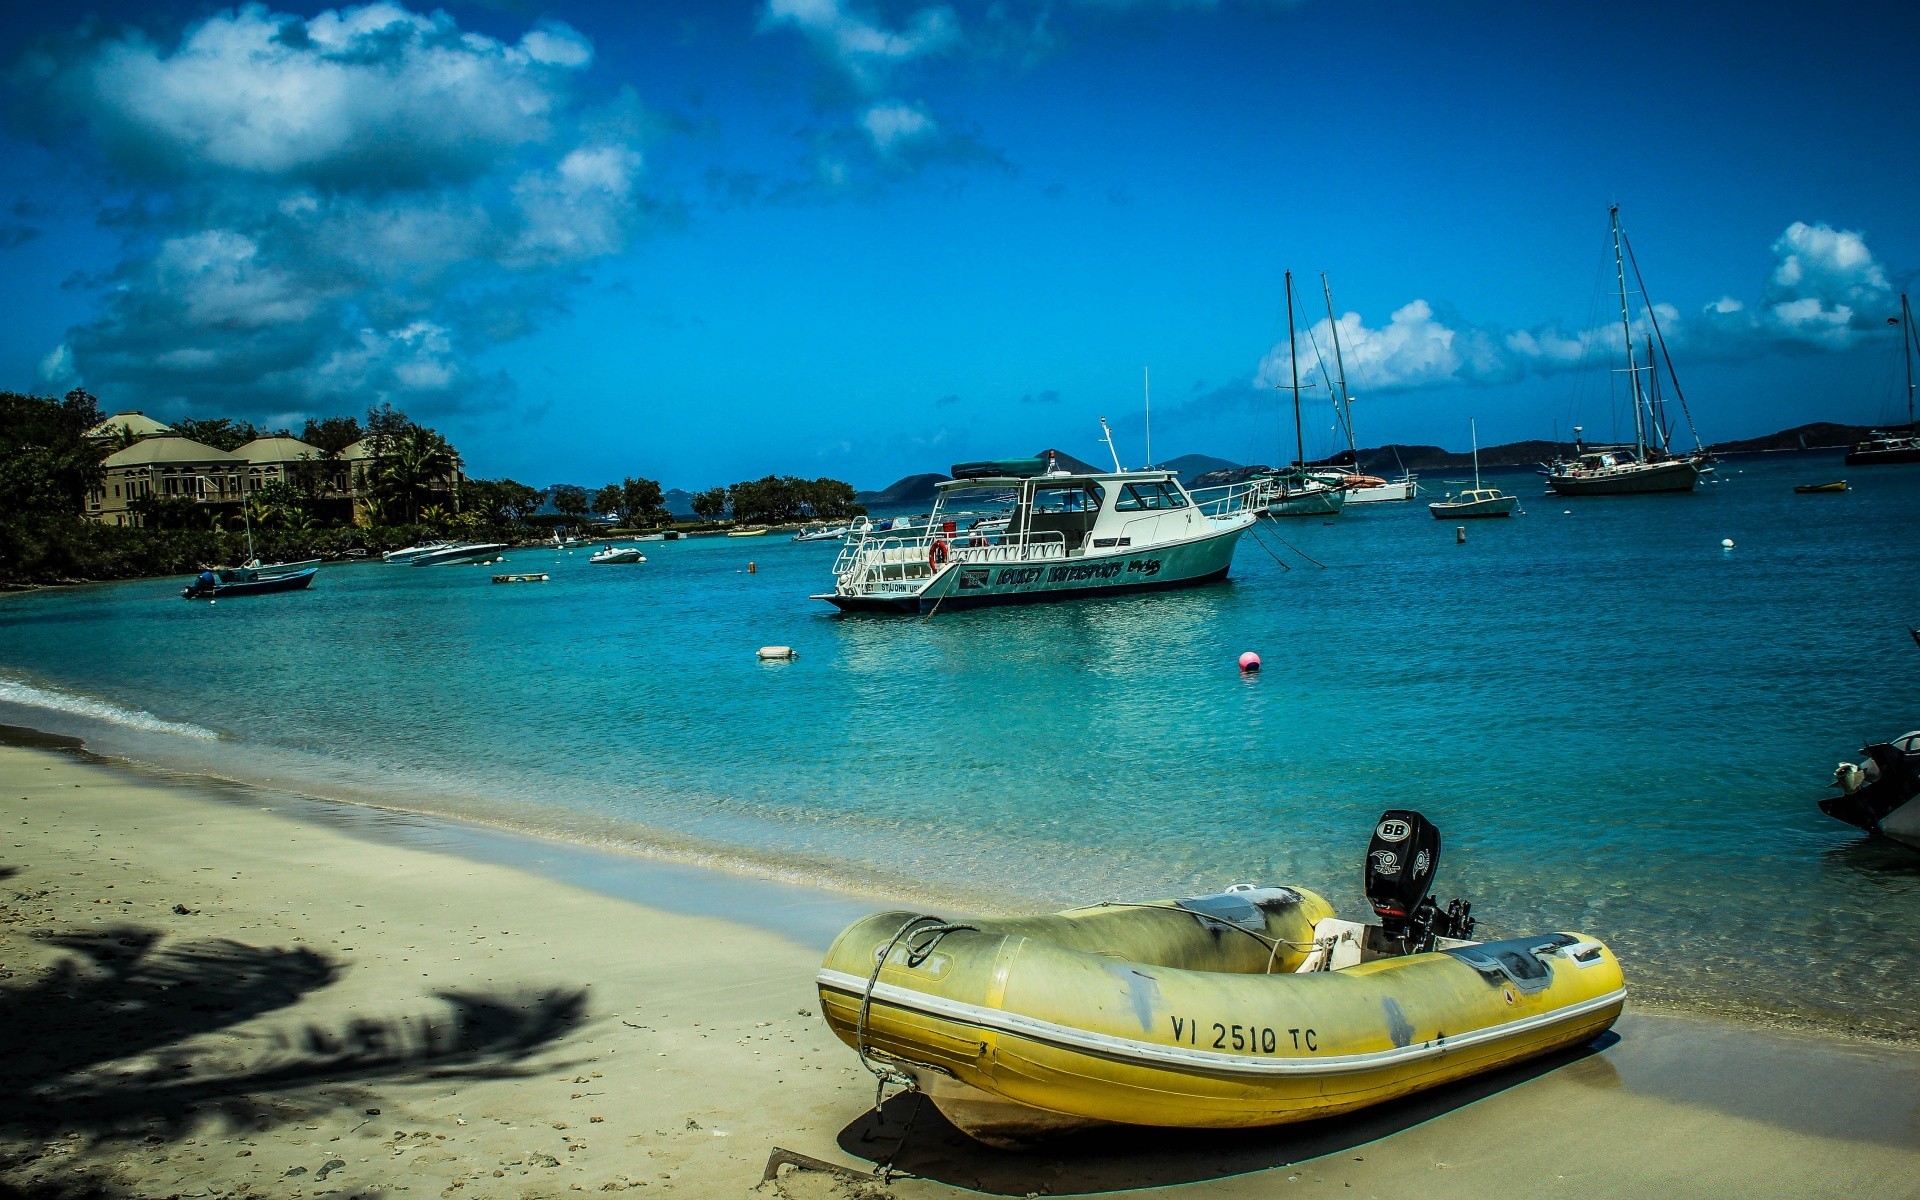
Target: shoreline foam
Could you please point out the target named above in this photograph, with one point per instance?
(518, 834)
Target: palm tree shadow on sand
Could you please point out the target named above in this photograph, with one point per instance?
(911, 1137)
(111, 1045)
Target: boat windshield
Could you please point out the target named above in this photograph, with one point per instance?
(1068, 497)
(969, 505)
(1135, 497)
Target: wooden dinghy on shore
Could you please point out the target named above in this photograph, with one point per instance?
(1251, 1007)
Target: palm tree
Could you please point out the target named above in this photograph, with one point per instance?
(414, 466)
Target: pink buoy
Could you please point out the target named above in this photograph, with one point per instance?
(1249, 662)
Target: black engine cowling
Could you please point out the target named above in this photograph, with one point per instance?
(1402, 859)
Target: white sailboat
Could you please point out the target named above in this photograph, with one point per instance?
(1476, 501)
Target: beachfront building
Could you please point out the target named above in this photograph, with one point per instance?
(168, 466)
(126, 427)
(173, 467)
(156, 462)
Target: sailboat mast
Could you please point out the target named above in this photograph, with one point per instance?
(1908, 338)
(1340, 368)
(1626, 329)
(1293, 359)
(1473, 426)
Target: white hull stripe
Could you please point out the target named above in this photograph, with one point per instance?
(1158, 1054)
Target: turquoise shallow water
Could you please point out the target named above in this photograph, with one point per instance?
(1620, 726)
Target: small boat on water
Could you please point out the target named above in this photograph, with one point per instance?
(1252, 1007)
(618, 554)
(525, 577)
(746, 533)
(1476, 501)
(1881, 794)
(244, 581)
(1814, 489)
(649, 537)
(830, 533)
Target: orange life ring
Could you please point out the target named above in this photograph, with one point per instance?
(938, 554)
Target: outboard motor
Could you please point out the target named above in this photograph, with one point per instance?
(1401, 861)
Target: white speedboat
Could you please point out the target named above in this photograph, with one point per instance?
(832, 533)
(459, 552)
(618, 554)
(406, 556)
(1066, 536)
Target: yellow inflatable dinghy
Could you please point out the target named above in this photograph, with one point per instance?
(1255, 1006)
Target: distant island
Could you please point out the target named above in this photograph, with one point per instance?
(1204, 470)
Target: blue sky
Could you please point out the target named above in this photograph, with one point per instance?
(705, 242)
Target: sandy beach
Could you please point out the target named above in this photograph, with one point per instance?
(206, 992)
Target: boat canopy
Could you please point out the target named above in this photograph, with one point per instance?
(1000, 468)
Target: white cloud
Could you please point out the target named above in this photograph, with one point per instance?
(56, 369)
(892, 124)
(369, 96)
(1825, 292)
(351, 206)
(859, 46)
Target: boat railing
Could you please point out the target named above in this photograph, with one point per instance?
(1230, 499)
(898, 562)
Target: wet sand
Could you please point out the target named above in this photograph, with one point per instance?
(206, 990)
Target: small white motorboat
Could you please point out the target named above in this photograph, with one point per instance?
(618, 554)
(829, 534)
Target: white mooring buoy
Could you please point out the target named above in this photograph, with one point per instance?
(1726, 543)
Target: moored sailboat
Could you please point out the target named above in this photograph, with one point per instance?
(1885, 447)
(1649, 465)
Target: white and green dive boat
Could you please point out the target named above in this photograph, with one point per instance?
(1056, 535)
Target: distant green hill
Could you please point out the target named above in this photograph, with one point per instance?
(1191, 466)
(914, 489)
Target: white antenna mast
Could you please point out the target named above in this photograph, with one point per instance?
(1108, 435)
(1146, 384)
